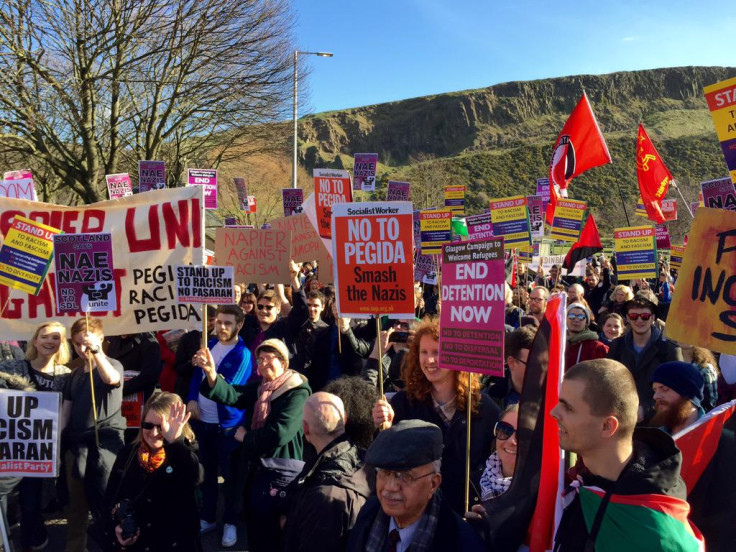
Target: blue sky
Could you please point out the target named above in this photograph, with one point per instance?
(389, 50)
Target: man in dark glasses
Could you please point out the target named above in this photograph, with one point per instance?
(642, 349)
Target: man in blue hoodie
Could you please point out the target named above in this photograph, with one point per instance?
(215, 424)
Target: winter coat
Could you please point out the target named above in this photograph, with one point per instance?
(455, 439)
(326, 499)
(23, 368)
(657, 351)
(583, 346)
(137, 353)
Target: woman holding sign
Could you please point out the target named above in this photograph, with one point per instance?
(44, 365)
(440, 396)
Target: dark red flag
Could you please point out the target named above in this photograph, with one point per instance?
(654, 177)
(579, 147)
(588, 244)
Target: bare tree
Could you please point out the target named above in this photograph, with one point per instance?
(428, 176)
(91, 86)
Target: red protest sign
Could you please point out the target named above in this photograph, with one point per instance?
(330, 186)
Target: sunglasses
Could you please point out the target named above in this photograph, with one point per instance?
(269, 308)
(579, 316)
(637, 315)
(149, 426)
(503, 431)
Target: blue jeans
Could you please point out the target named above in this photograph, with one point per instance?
(216, 447)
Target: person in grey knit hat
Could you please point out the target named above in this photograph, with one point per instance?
(582, 343)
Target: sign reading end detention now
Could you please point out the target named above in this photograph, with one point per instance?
(472, 320)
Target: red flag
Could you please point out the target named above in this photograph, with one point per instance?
(579, 147)
(654, 177)
(589, 243)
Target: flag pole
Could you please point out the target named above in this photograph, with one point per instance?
(674, 183)
(621, 195)
(469, 408)
(92, 385)
(380, 356)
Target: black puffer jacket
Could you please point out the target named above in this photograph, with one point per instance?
(326, 498)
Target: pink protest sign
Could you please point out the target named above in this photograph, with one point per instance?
(118, 185)
(364, 171)
(292, 199)
(719, 194)
(208, 179)
(662, 237)
(537, 208)
(472, 318)
(151, 176)
(480, 226)
(397, 191)
(19, 185)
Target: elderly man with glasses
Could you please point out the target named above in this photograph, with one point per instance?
(408, 511)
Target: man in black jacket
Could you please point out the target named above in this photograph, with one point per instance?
(332, 488)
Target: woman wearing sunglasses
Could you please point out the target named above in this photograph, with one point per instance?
(440, 396)
(582, 342)
(151, 490)
(502, 462)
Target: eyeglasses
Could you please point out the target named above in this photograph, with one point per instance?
(637, 315)
(402, 478)
(503, 431)
(536, 299)
(269, 308)
(263, 359)
(149, 426)
(517, 359)
(579, 316)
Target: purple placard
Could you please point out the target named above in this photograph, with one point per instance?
(536, 206)
(242, 190)
(719, 194)
(397, 191)
(151, 175)
(118, 185)
(84, 273)
(472, 317)
(364, 171)
(480, 227)
(231, 221)
(543, 190)
(425, 269)
(663, 236)
(292, 199)
(729, 151)
(208, 179)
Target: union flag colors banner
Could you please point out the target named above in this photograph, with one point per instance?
(653, 176)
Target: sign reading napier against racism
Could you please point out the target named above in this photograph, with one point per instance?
(372, 250)
(330, 186)
(703, 310)
(207, 178)
(636, 252)
(473, 307)
(205, 284)
(85, 279)
(151, 233)
(25, 255)
(29, 433)
(257, 255)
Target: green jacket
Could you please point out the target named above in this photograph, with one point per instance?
(281, 436)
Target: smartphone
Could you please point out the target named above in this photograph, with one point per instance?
(398, 337)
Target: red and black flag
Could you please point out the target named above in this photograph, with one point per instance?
(588, 244)
(579, 147)
(653, 176)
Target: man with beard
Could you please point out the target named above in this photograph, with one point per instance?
(678, 391)
(538, 302)
(215, 424)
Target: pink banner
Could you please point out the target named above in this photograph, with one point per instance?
(208, 179)
(118, 185)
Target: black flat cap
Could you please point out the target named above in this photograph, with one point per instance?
(406, 445)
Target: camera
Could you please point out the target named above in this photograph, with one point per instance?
(125, 516)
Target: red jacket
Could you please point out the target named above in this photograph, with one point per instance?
(584, 347)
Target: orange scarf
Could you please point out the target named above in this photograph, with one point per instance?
(150, 462)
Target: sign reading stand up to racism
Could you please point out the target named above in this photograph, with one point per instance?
(372, 250)
(455, 199)
(636, 252)
(511, 220)
(568, 220)
(473, 307)
(205, 284)
(721, 98)
(25, 255)
(436, 230)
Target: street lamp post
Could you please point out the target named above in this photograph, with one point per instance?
(296, 60)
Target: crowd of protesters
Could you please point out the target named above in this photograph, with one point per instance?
(283, 405)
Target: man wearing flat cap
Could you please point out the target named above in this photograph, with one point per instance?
(678, 391)
(408, 512)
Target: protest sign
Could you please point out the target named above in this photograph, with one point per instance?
(473, 307)
(151, 176)
(510, 218)
(703, 310)
(640, 211)
(207, 178)
(242, 191)
(436, 230)
(568, 220)
(636, 252)
(364, 171)
(719, 194)
(29, 433)
(694, 207)
(721, 98)
(257, 255)
(536, 207)
(151, 232)
(455, 199)
(548, 261)
(677, 252)
(663, 237)
(306, 245)
(131, 407)
(252, 205)
(425, 269)
(85, 280)
(231, 221)
(524, 253)
(397, 191)
(25, 254)
(19, 185)
(668, 206)
(372, 252)
(292, 199)
(480, 226)
(205, 285)
(543, 190)
(331, 186)
(118, 185)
